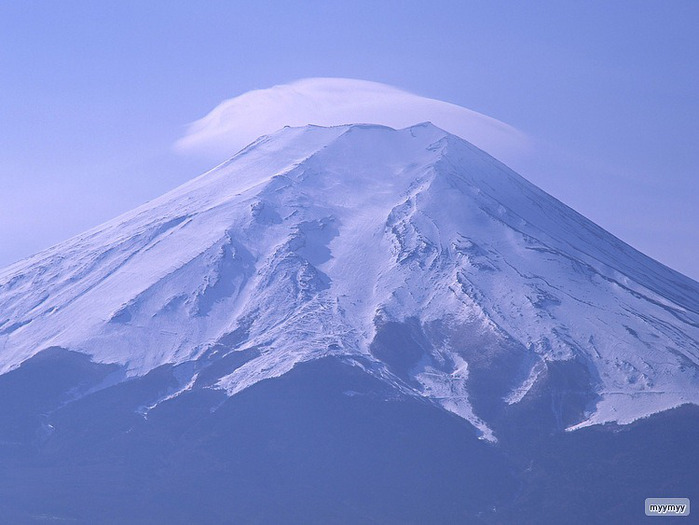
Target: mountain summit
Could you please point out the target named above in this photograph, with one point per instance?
(410, 255)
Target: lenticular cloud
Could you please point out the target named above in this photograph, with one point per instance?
(236, 122)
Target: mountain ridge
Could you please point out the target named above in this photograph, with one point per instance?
(340, 241)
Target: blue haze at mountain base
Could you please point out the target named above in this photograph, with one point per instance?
(322, 444)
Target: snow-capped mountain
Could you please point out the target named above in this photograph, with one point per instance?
(409, 254)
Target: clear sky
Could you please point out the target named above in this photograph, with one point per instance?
(93, 96)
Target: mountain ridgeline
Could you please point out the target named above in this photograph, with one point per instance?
(352, 324)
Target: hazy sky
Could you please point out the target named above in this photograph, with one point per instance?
(94, 95)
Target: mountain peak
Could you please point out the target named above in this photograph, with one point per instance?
(410, 254)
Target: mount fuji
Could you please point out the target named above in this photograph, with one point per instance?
(320, 295)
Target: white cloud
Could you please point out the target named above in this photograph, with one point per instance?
(236, 122)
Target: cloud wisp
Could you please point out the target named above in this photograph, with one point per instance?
(238, 121)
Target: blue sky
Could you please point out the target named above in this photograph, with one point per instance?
(93, 95)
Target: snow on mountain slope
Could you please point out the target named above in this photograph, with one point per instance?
(409, 253)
